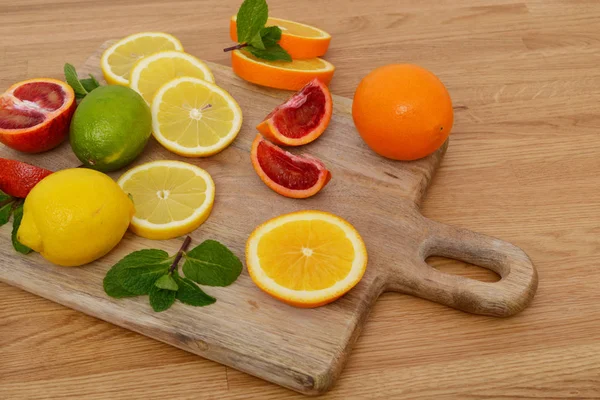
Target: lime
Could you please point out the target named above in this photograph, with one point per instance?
(110, 128)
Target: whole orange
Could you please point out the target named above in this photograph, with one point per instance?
(402, 111)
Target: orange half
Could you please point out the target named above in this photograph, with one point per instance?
(306, 258)
(299, 40)
(280, 74)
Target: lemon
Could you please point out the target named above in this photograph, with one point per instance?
(118, 60)
(151, 72)
(194, 118)
(75, 216)
(306, 258)
(171, 198)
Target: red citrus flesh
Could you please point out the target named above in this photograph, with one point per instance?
(301, 119)
(35, 114)
(288, 174)
(18, 178)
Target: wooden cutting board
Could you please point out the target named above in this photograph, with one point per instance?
(302, 349)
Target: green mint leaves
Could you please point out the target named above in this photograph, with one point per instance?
(167, 282)
(154, 273)
(81, 87)
(11, 206)
(251, 18)
(212, 264)
(260, 41)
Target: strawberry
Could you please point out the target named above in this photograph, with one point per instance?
(18, 178)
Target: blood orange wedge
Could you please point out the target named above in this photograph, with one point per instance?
(35, 114)
(280, 74)
(299, 40)
(301, 119)
(18, 178)
(287, 174)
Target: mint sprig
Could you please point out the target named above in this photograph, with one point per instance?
(12, 206)
(252, 34)
(81, 87)
(154, 273)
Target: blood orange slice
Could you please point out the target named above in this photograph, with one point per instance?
(35, 114)
(301, 119)
(287, 174)
(18, 178)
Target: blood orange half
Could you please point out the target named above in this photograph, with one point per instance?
(301, 119)
(35, 114)
(287, 174)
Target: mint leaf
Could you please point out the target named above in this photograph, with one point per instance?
(4, 196)
(257, 42)
(89, 84)
(140, 280)
(272, 53)
(137, 272)
(166, 282)
(270, 35)
(251, 18)
(73, 81)
(161, 299)
(212, 264)
(17, 217)
(5, 212)
(112, 283)
(112, 286)
(191, 294)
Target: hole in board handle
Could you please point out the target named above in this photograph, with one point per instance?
(461, 268)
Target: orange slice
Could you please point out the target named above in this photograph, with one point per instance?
(306, 258)
(280, 74)
(300, 40)
(301, 119)
(289, 175)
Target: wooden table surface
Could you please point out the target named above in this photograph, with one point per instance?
(523, 165)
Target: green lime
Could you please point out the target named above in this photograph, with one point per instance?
(110, 128)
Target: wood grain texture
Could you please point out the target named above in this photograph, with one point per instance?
(522, 165)
(306, 352)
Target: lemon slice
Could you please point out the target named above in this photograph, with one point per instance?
(151, 72)
(306, 258)
(194, 118)
(171, 198)
(118, 60)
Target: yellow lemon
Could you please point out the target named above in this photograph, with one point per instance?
(306, 258)
(75, 216)
(172, 198)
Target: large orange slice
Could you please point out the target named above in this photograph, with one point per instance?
(35, 114)
(287, 174)
(280, 74)
(299, 40)
(306, 258)
(301, 119)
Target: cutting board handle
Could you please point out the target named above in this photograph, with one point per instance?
(510, 295)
